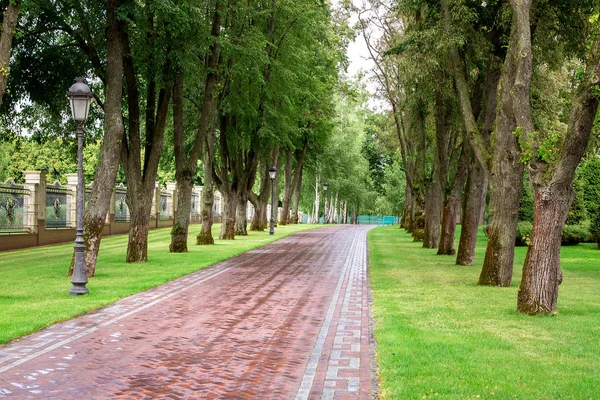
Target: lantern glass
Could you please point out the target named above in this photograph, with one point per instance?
(79, 95)
(325, 185)
(80, 107)
(272, 172)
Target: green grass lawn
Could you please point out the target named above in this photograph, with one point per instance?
(441, 335)
(34, 287)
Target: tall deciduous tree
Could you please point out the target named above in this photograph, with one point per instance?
(149, 82)
(551, 162)
(186, 161)
(9, 24)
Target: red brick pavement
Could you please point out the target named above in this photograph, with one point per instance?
(288, 320)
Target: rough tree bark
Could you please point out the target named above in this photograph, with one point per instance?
(552, 181)
(451, 186)
(502, 162)
(260, 202)
(474, 197)
(433, 206)
(505, 178)
(476, 187)
(291, 178)
(9, 24)
(230, 200)
(287, 188)
(106, 171)
(451, 206)
(141, 175)
(205, 236)
(184, 175)
(185, 166)
(241, 218)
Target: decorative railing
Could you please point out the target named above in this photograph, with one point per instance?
(165, 206)
(58, 206)
(121, 208)
(14, 202)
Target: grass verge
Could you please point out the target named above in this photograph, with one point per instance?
(440, 335)
(34, 287)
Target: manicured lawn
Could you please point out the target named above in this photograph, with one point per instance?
(440, 335)
(34, 287)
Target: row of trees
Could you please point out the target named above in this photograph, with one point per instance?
(216, 89)
(481, 92)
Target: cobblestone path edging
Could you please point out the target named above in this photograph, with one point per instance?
(291, 319)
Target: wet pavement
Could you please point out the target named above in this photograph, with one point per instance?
(290, 320)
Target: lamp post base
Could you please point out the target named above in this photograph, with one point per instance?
(271, 227)
(78, 289)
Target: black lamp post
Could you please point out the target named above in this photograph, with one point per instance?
(79, 95)
(325, 186)
(272, 173)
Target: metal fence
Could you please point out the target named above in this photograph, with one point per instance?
(165, 206)
(14, 208)
(195, 209)
(121, 209)
(58, 206)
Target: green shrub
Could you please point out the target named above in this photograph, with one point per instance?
(526, 202)
(524, 229)
(589, 171)
(577, 213)
(574, 234)
(571, 234)
(595, 228)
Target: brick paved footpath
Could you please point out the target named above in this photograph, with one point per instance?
(290, 320)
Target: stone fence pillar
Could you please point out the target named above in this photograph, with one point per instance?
(72, 203)
(172, 190)
(35, 182)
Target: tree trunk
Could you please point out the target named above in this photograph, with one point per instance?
(503, 210)
(476, 189)
(449, 211)
(179, 232)
(259, 220)
(276, 191)
(139, 212)
(538, 292)
(553, 189)
(241, 219)
(205, 236)
(287, 188)
(474, 197)
(431, 239)
(206, 214)
(184, 174)
(261, 201)
(185, 165)
(9, 24)
(296, 199)
(141, 157)
(505, 176)
(315, 219)
(104, 179)
(230, 202)
(406, 215)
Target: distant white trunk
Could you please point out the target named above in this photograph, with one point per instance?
(336, 210)
(315, 218)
